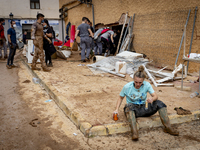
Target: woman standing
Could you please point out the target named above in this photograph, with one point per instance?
(47, 47)
(136, 97)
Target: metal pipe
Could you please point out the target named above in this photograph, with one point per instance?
(62, 32)
(182, 78)
(129, 44)
(93, 17)
(74, 6)
(125, 33)
(192, 34)
(182, 39)
(199, 81)
(68, 3)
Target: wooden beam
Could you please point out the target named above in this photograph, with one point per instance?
(150, 76)
(109, 71)
(121, 35)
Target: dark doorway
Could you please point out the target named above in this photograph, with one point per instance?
(27, 28)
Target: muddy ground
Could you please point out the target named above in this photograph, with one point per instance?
(21, 101)
(95, 96)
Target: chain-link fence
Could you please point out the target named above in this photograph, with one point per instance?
(159, 35)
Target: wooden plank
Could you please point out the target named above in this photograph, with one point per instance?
(165, 85)
(121, 35)
(176, 78)
(177, 69)
(164, 79)
(150, 76)
(125, 44)
(158, 73)
(129, 39)
(109, 71)
(161, 69)
(161, 73)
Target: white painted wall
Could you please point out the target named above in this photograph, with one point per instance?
(21, 9)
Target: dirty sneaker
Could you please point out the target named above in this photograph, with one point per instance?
(46, 69)
(8, 66)
(83, 60)
(14, 66)
(50, 65)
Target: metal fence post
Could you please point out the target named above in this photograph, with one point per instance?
(182, 38)
(192, 34)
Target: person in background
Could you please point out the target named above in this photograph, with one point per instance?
(92, 43)
(92, 29)
(24, 37)
(37, 36)
(98, 44)
(48, 32)
(136, 98)
(54, 35)
(84, 31)
(105, 38)
(2, 39)
(116, 40)
(12, 44)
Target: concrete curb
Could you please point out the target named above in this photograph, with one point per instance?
(109, 129)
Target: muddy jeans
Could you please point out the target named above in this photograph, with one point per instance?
(11, 53)
(140, 109)
(4, 47)
(98, 45)
(85, 44)
(39, 53)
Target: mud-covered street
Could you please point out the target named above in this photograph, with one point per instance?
(28, 122)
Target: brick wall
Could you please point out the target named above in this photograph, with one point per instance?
(158, 25)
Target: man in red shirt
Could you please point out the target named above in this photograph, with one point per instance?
(2, 39)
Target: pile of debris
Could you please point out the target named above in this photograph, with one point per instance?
(121, 64)
(127, 63)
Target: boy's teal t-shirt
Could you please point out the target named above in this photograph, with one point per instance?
(136, 96)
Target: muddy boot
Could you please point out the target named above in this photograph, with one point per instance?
(50, 65)
(132, 120)
(33, 66)
(165, 121)
(46, 69)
